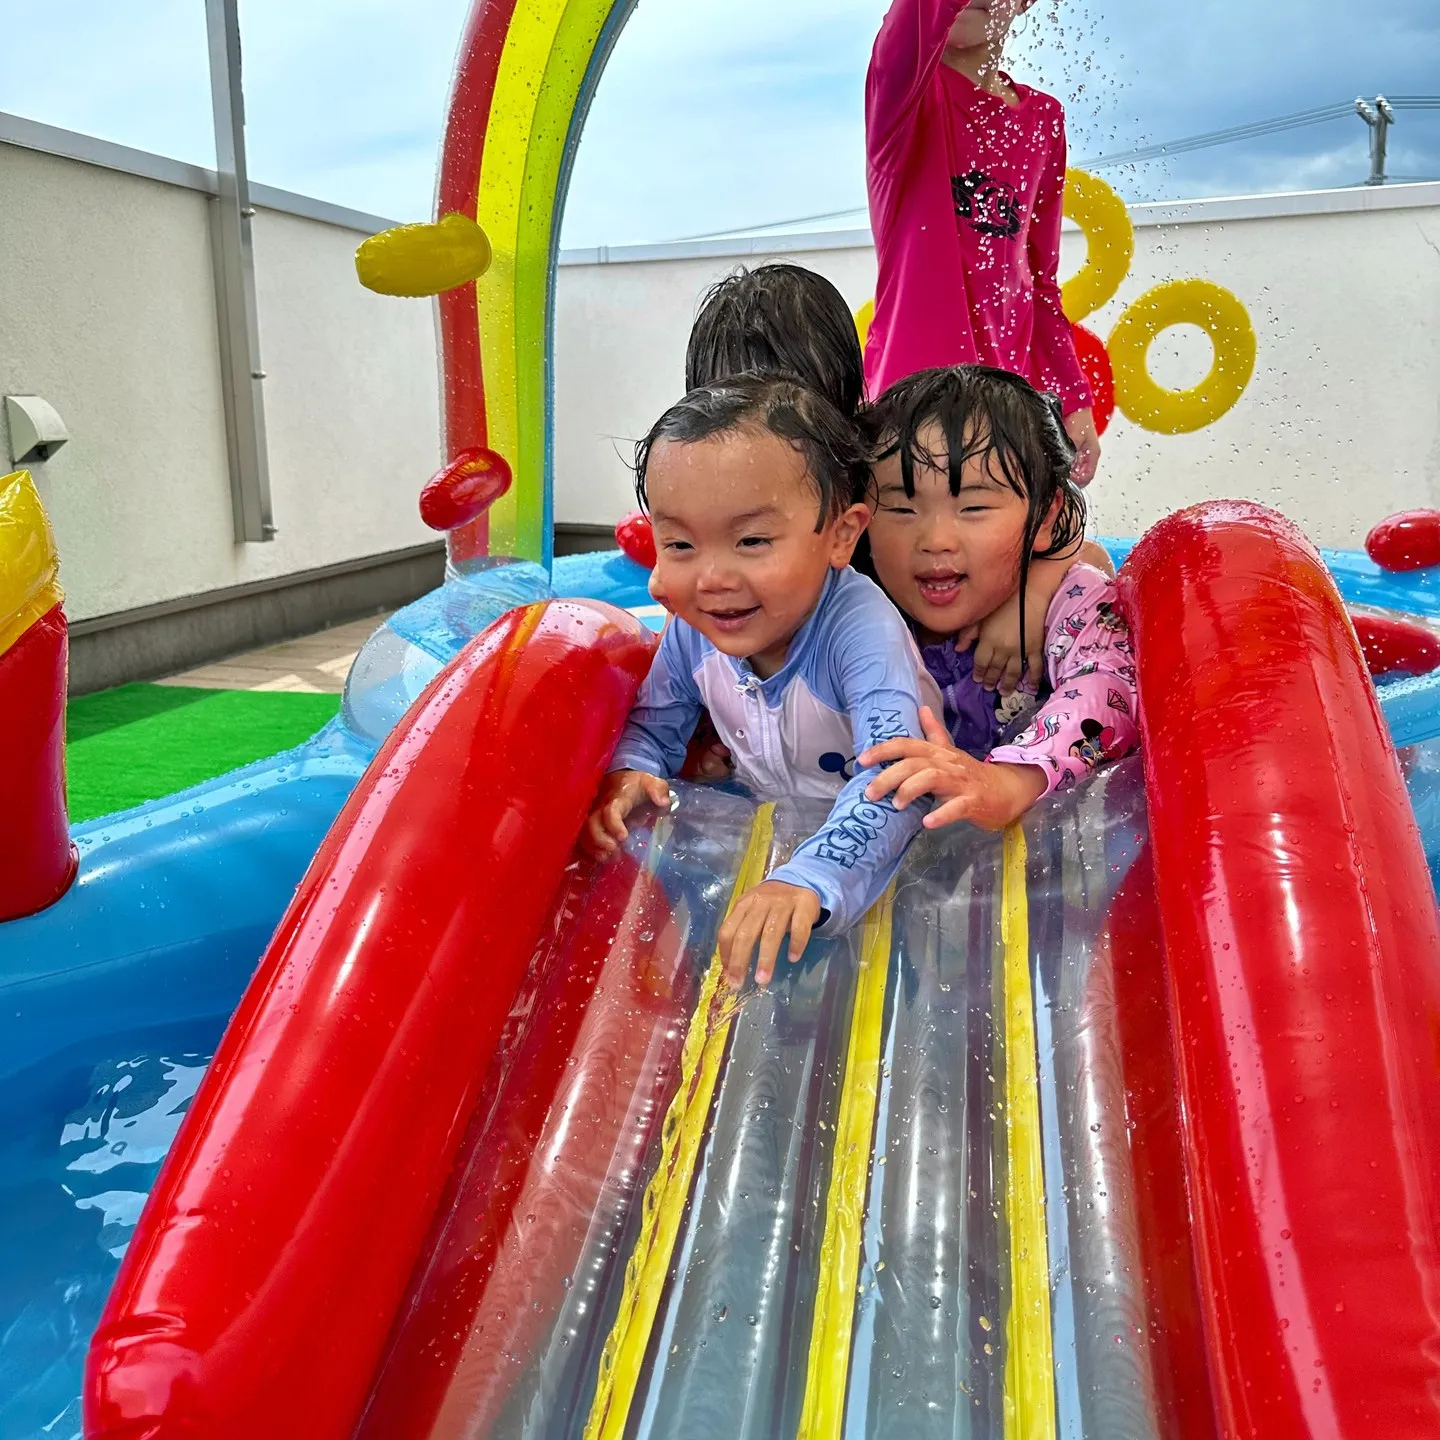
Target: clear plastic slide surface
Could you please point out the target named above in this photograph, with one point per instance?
(666, 1220)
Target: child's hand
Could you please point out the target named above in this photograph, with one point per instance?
(620, 792)
(765, 914)
(1080, 427)
(990, 796)
(998, 661)
(706, 756)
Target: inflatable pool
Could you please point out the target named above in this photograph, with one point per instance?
(339, 1098)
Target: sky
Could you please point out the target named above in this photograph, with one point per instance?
(720, 115)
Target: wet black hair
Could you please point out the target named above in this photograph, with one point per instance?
(835, 458)
(778, 320)
(1017, 431)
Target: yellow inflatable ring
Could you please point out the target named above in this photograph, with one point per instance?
(1109, 244)
(864, 318)
(1182, 302)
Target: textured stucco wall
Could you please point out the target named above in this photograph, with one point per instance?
(1340, 425)
(107, 310)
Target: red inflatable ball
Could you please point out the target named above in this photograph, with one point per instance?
(1094, 360)
(1407, 541)
(635, 537)
(465, 489)
(1396, 647)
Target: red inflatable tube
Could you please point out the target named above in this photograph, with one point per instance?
(1407, 541)
(609, 1052)
(267, 1268)
(37, 860)
(1303, 948)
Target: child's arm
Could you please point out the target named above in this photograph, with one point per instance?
(998, 661)
(834, 877)
(1088, 719)
(1091, 714)
(653, 743)
(1060, 371)
(990, 796)
(907, 51)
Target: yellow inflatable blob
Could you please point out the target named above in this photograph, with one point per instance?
(29, 566)
(864, 318)
(1182, 302)
(419, 260)
(1109, 244)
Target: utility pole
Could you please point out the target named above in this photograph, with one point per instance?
(1379, 117)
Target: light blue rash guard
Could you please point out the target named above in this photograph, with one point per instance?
(853, 677)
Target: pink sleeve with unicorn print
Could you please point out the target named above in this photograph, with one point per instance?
(1090, 715)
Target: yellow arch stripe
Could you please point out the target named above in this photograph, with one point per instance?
(822, 1416)
(547, 52)
(499, 210)
(663, 1207)
(1029, 1349)
(575, 42)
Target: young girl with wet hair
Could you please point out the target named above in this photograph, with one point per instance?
(971, 487)
(755, 490)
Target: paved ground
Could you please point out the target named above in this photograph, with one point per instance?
(314, 664)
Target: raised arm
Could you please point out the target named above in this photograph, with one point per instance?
(907, 51)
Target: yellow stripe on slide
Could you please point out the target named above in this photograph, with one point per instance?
(822, 1415)
(1029, 1353)
(669, 1188)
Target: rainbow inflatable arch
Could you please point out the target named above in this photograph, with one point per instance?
(523, 84)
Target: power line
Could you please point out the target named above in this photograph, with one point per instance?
(1256, 128)
(1300, 119)
(1220, 137)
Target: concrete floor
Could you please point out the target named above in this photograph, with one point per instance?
(315, 664)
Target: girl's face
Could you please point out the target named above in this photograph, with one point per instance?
(948, 560)
(737, 554)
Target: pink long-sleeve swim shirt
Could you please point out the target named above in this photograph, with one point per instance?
(966, 193)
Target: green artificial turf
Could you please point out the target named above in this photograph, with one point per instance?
(139, 742)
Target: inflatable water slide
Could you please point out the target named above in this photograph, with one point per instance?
(1121, 1123)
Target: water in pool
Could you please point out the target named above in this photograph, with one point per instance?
(81, 1140)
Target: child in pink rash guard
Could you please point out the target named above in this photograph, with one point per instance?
(971, 487)
(966, 173)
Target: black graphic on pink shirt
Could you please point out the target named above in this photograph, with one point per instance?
(987, 205)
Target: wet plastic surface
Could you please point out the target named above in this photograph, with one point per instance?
(240, 1307)
(1304, 950)
(511, 1325)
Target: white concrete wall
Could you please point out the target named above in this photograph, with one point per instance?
(1339, 426)
(107, 309)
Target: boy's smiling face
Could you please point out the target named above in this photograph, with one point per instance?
(737, 552)
(948, 561)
